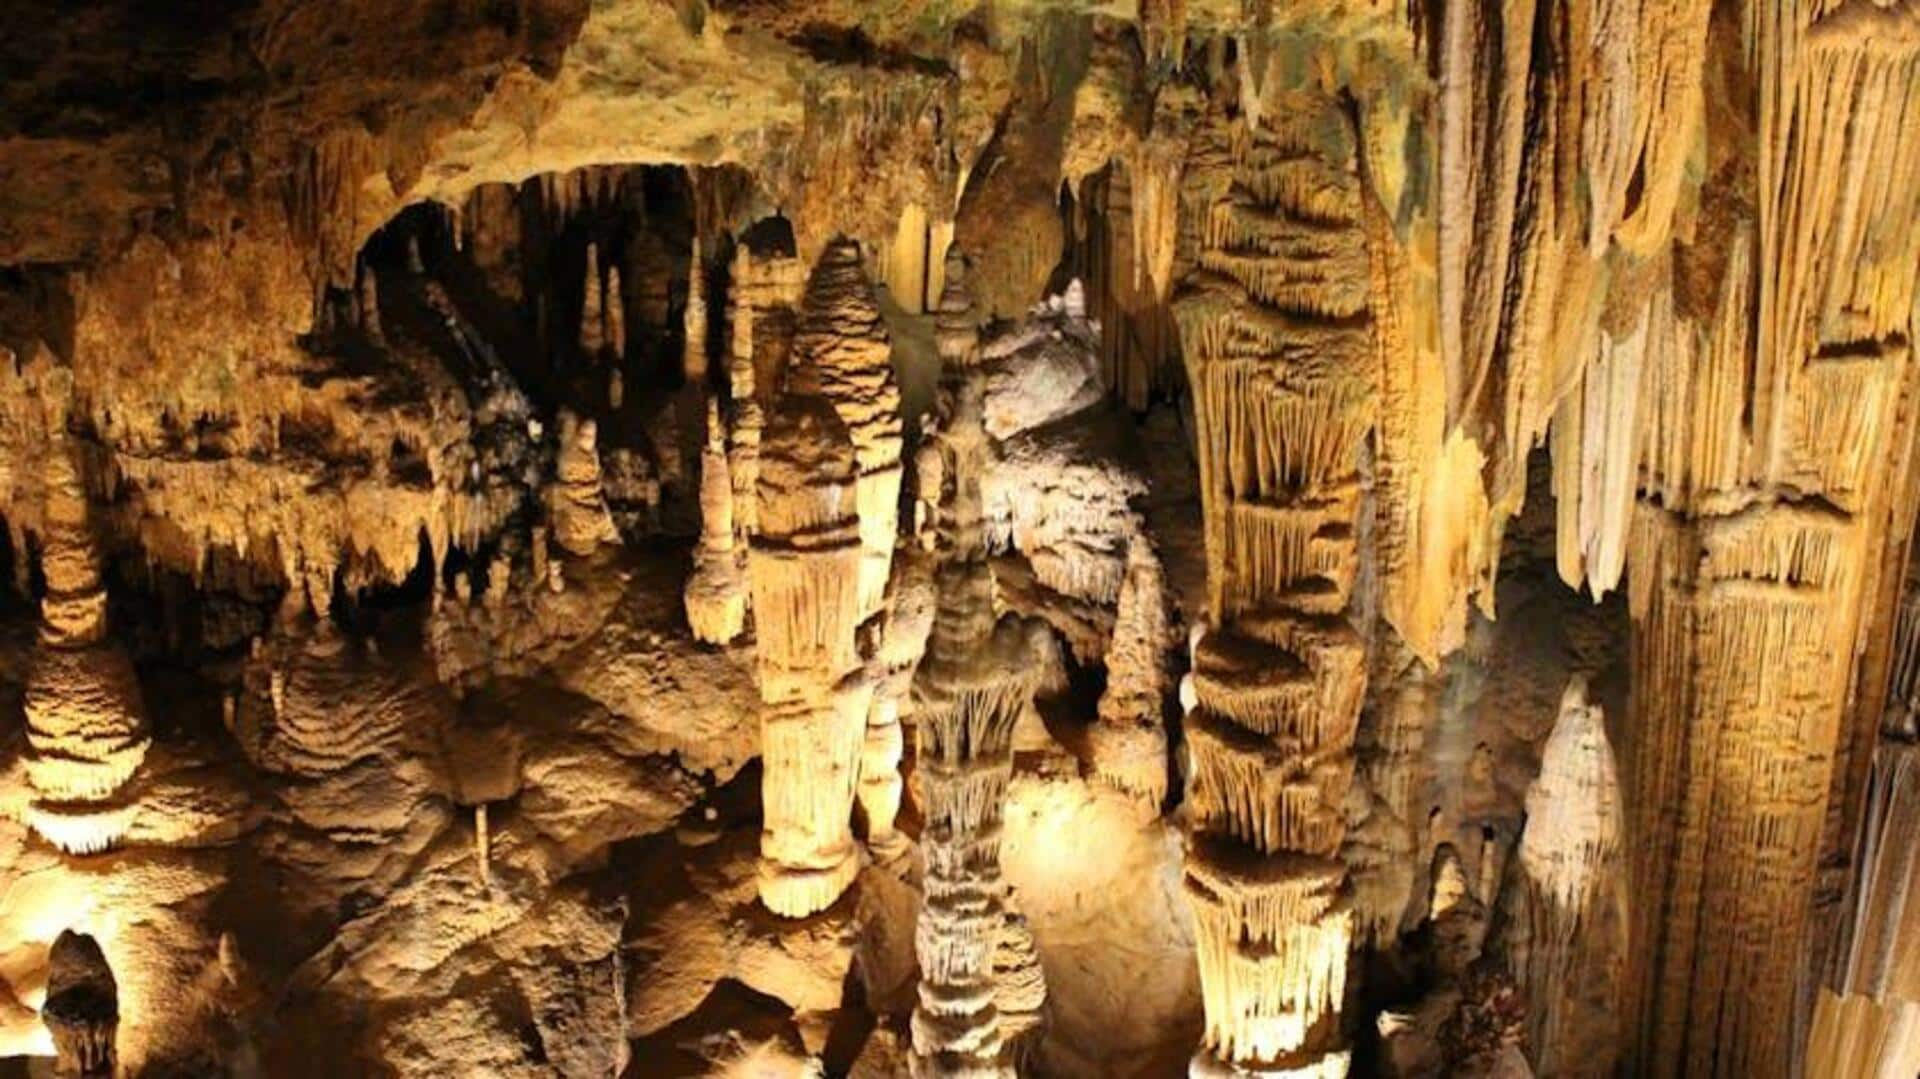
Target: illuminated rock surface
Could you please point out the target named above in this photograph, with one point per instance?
(529, 551)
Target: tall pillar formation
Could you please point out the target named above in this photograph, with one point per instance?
(1276, 325)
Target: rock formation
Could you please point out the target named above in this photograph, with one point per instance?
(1128, 744)
(1569, 860)
(805, 571)
(1274, 321)
(82, 1008)
(969, 690)
(717, 592)
(576, 504)
(1483, 393)
(86, 727)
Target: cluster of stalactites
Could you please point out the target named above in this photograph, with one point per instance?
(603, 323)
(1277, 330)
(86, 727)
(803, 569)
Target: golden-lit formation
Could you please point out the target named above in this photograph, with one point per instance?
(1274, 317)
(1391, 553)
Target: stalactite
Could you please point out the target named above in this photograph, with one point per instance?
(593, 308)
(1275, 326)
(804, 569)
(693, 354)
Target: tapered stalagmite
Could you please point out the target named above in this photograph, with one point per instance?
(716, 593)
(907, 621)
(1569, 861)
(973, 684)
(1274, 318)
(1128, 743)
(804, 567)
(86, 727)
(82, 1009)
(576, 503)
(841, 352)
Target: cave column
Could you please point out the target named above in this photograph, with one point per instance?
(1764, 495)
(970, 689)
(1276, 328)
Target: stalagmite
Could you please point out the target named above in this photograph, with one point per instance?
(1020, 987)
(368, 303)
(82, 1009)
(1568, 858)
(804, 569)
(1129, 743)
(971, 688)
(1280, 353)
(841, 352)
(576, 505)
(906, 623)
(86, 727)
(716, 593)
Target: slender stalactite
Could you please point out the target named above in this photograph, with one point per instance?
(1275, 324)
